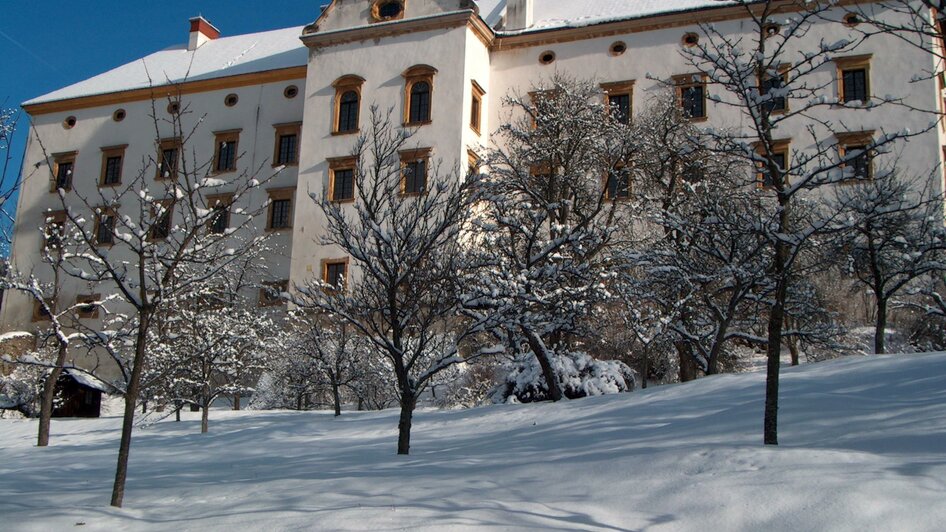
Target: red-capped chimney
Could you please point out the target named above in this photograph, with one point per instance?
(201, 31)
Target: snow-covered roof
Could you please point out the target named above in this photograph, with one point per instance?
(550, 14)
(222, 57)
(87, 380)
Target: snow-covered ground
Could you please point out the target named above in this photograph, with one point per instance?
(863, 448)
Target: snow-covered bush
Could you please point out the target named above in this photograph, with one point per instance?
(21, 390)
(579, 374)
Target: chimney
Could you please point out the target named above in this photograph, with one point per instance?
(201, 32)
(519, 14)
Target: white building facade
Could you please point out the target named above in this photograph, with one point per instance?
(441, 66)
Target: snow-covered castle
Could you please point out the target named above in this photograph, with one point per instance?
(298, 97)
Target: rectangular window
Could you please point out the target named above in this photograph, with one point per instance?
(335, 273)
(168, 159)
(105, 227)
(691, 93)
(473, 163)
(618, 185)
(225, 155)
(220, 213)
(341, 179)
(287, 144)
(476, 107)
(112, 157)
(86, 307)
(779, 154)
(41, 311)
(64, 166)
(853, 78)
(619, 99)
(270, 294)
(771, 81)
(857, 159)
(414, 170)
(161, 220)
(53, 230)
(280, 209)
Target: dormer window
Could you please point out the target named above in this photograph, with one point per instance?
(385, 10)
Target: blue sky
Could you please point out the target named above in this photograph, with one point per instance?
(49, 44)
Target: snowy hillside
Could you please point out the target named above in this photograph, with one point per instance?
(863, 448)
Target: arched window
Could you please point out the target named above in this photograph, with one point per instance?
(420, 102)
(418, 94)
(347, 104)
(348, 112)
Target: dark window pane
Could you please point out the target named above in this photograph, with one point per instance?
(692, 99)
(168, 163)
(778, 159)
(420, 102)
(279, 214)
(104, 234)
(287, 149)
(64, 175)
(348, 112)
(220, 220)
(415, 176)
(773, 82)
(475, 113)
(859, 159)
(389, 9)
(226, 156)
(620, 107)
(335, 274)
(162, 225)
(113, 170)
(855, 85)
(618, 185)
(54, 233)
(343, 187)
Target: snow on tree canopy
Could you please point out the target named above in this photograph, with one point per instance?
(579, 375)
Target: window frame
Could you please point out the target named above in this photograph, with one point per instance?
(280, 194)
(607, 184)
(412, 76)
(85, 299)
(112, 152)
(343, 85)
(286, 130)
(59, 159)
(165, 222)
(323, 272)
(37, 314)
(212, 204)
(783, 69)
(336, 164)
(779, 147)
(230, 136)
(473, 162)
(620, 88)
(99, 213)
(854, 62)
(685, 81)
(414, 156)
(476, 106)
(164, 145)
(376, 10)
(851, 139)
(53, 218)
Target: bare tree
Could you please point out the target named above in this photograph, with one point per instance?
(896, 236)
(148, 243)
(402, 294)
(755, 72)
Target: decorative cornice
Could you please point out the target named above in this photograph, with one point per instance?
(388, 29)
(164, 91)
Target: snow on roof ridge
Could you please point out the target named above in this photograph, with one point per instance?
(226, 56)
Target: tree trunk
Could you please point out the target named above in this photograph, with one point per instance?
(408, 401)
(205, 416)
(177, 410)
(128, 420)
(880, 331)
(688, 368)
(361, 404)
(545, 362)
(49, 394)
(299, 402)
(774, 346)
(646, 369)
(236, 401)
(793, 350)
(337, 399)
